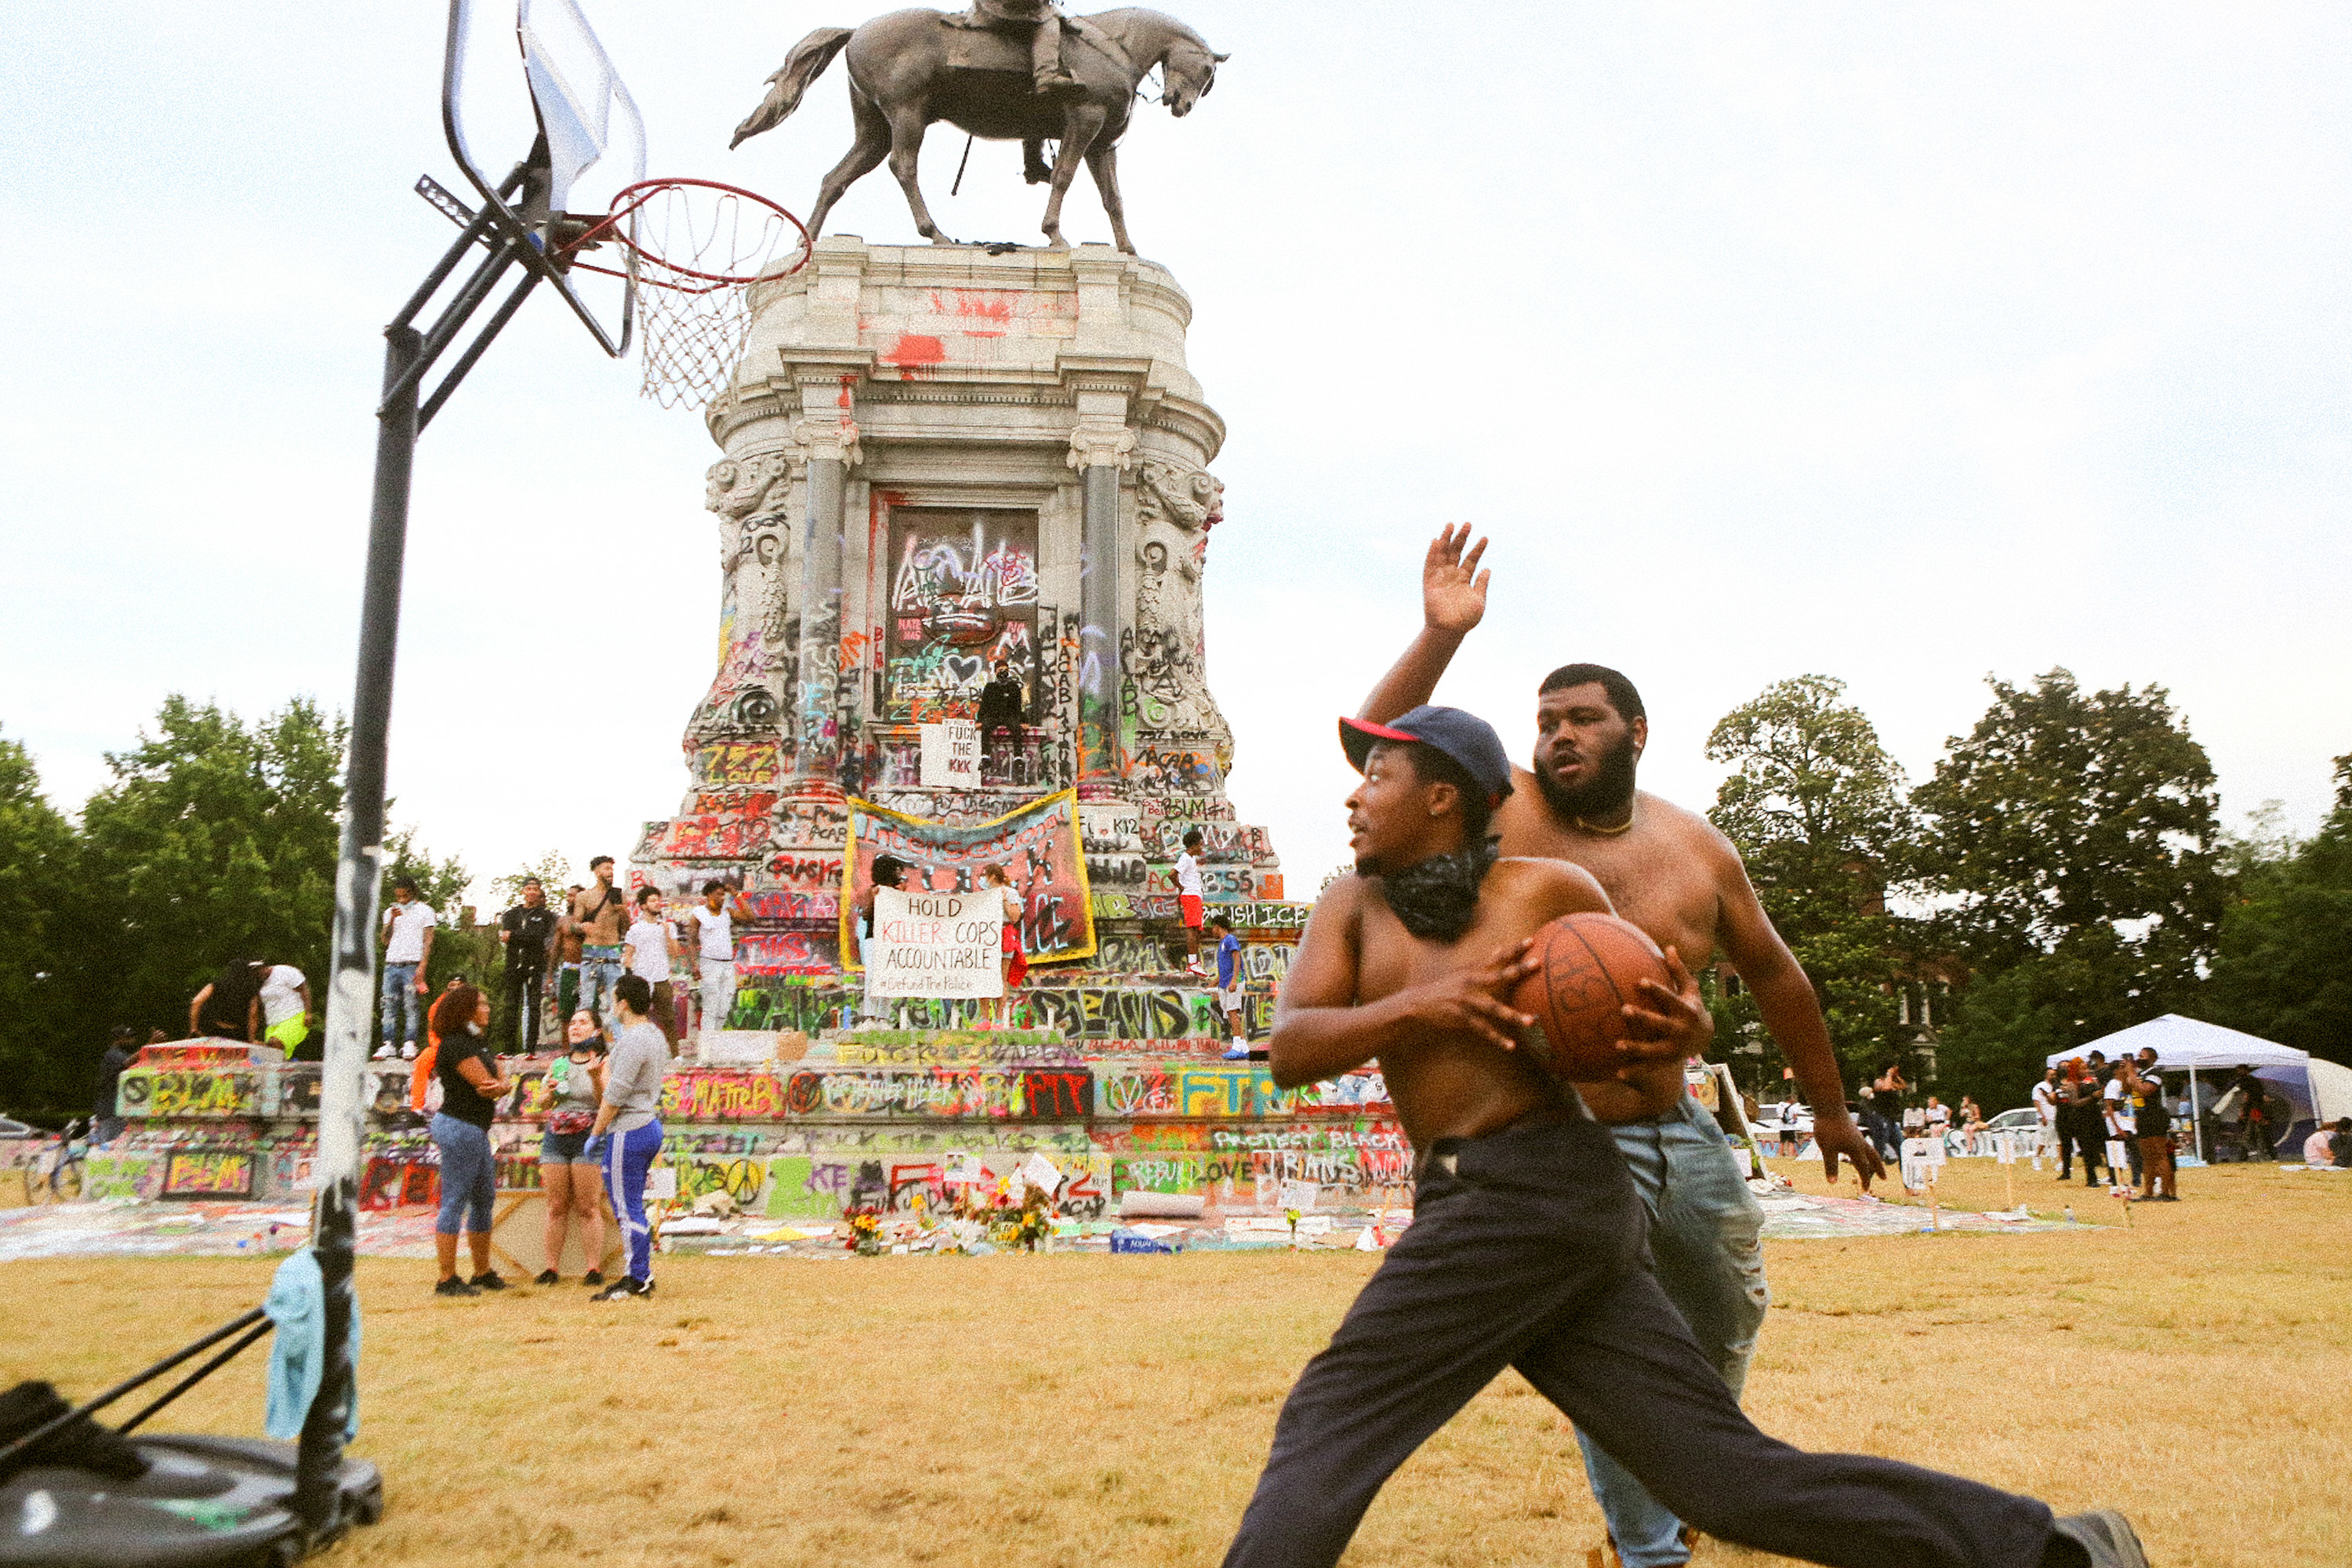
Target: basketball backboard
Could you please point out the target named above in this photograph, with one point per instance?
(556, 138)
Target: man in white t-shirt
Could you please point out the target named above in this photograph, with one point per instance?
(714, 953)
(407, 938)
(2045, 1108)
(1190, 902)
(285, 1008)
(646, 950)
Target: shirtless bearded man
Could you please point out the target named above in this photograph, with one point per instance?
(1526, 1248)
(1669, 871)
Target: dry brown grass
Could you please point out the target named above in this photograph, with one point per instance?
(1090, 1411)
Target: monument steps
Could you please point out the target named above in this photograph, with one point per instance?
(866, 1112)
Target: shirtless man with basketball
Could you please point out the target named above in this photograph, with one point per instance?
(1526, 1248)
(1669, 871)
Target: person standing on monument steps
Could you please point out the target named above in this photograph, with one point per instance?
(1191, 904)
(407, 938)
(714, 956)
(566, 955)
(1229, 986)
(1013, 961)
(1670, 872)
(887, 872)
(597, 913)
(1526, 1248)
(527, 931)
(646, 949)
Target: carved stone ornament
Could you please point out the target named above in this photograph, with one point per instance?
(758, 485)
(1164, 655)
(1191, 498)
(736, 487)
(1109, 445)
(834, 440)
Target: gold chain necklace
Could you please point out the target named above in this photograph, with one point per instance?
(1623, 828)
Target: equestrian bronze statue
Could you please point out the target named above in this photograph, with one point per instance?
(1010, 70)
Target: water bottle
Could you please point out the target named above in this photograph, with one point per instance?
(2070, 1214)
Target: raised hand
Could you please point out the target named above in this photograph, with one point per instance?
(1452, 589)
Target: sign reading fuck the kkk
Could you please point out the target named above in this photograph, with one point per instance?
(935, 944)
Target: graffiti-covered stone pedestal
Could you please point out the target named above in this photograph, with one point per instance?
(943, 468)
(872, 1119)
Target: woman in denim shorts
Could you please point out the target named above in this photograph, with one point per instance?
(567, 1174)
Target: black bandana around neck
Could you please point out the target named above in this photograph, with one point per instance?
(1438, 897)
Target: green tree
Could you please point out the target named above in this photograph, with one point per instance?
(216, 839)
(36, 854)
(2283, 969)
(1816, 807)
(2075, 839)
(551, 870)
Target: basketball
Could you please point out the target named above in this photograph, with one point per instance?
(1590, 967)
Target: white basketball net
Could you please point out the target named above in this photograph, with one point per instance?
(695, 250)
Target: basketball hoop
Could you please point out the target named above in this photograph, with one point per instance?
(693, 246)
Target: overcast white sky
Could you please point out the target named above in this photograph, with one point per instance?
(1905, 343)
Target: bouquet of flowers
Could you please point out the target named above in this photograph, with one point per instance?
(865, 1230)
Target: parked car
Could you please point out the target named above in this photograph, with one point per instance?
(2021, 1120)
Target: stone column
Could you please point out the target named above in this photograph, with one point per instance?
(1100, 446)
(831, 446)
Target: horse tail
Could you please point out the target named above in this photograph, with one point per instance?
(803, 66)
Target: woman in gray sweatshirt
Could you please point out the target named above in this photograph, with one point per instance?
(629, 1131)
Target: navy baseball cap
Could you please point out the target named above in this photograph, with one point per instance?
(1466, 738)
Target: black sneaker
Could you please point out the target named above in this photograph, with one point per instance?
(593, 1277)
(548, 1277)
(493, 1280)
(625, 1290)
(2105, 1538)
(453, 1286)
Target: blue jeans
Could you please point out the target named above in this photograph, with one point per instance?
(1703, 1224)
(600, 971)
(628, 1156)
(400, 998)
(469, 1176)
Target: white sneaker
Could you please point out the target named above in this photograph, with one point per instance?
(408, 1052)
(383, 1053)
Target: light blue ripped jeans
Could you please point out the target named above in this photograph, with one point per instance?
(1703, 1224)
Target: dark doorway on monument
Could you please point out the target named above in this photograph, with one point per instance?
(961, 616)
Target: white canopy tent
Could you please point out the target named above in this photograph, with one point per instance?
(2192, 1044)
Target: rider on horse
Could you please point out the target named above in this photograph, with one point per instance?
(1045, 22)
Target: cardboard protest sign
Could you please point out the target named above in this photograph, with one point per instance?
(1038, 845)
(935, 944)
(1042, 1174)
(952, 754)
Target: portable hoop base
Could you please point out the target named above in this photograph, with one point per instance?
(202, 1502)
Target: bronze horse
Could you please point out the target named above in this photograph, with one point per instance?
(909, 68)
